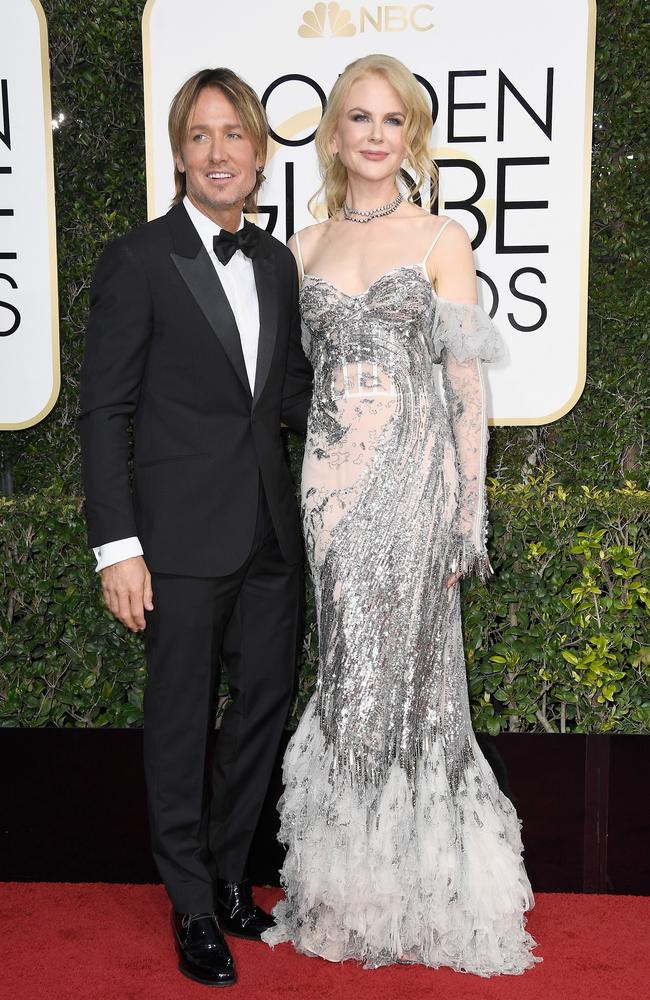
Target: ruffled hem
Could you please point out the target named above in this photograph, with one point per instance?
(466, 331)
(422, 871)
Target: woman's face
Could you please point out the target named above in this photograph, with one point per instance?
(369, 137)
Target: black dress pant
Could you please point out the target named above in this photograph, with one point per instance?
(202, 823)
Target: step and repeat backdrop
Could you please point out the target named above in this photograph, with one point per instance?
(29, 330)
(510, 86)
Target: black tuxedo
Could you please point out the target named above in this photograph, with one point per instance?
(212, 503)
(163, 349)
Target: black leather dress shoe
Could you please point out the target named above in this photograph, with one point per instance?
(203, 954)
(238, 914)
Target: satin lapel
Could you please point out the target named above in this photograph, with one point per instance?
(200, 277)
(267, 297)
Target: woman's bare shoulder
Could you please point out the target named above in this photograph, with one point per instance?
(304, 243)
(310, 236)
(430, 225)
(436, 223)
(450, 264)
(454, 238)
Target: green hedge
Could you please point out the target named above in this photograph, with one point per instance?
(554, 641)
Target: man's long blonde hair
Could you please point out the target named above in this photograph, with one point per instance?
(417, 129)
(245, 102)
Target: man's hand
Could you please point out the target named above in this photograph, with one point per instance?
(126, 586)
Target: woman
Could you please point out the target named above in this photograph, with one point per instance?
(400, 845)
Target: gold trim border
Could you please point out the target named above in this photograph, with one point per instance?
(570, 402)
(586, 189)
(54, 287)
(148, 107)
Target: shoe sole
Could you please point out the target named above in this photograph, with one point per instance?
(204, 982)
(242, 937)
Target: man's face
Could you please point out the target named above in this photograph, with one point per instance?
(218, 157)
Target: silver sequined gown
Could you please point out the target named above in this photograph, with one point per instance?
(400, 845)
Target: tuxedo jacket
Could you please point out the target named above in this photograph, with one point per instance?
(163, 353)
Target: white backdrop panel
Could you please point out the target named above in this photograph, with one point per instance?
(29, 332)
(528, 72)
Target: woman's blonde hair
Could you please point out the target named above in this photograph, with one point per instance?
(417, 129)
(245, 102)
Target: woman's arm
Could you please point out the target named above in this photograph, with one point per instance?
(461, 331)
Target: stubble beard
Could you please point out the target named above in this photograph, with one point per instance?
(216, 206)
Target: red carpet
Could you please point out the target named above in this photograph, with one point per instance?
(105, 942)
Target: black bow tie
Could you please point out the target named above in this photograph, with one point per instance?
(246, 239)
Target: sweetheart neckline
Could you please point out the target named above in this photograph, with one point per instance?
(417, 266)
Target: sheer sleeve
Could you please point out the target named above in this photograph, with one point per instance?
(463, 337)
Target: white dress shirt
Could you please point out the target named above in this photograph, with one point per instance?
(238, 282)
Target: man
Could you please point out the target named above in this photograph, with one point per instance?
(193, 337)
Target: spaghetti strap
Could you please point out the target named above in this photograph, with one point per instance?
(435, 240)
(302, 266)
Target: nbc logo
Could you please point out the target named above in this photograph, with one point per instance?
(333, 21)
(315, 21)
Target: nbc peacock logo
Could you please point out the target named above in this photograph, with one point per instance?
(327, 16)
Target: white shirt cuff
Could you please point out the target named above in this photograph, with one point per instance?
(113, 552)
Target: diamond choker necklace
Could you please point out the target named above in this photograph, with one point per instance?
(374, 213)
